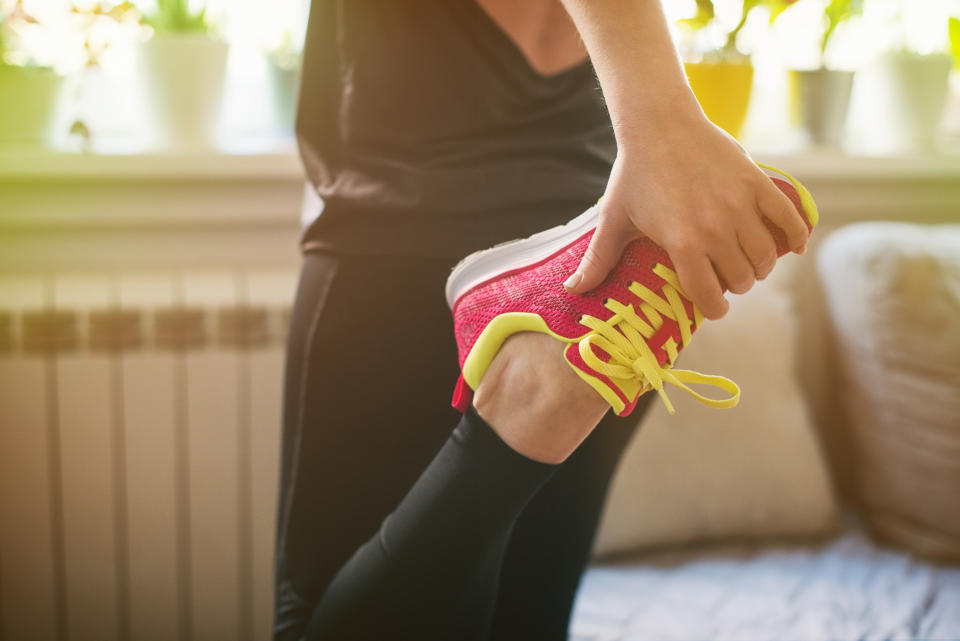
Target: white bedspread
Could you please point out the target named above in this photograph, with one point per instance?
(848, 588)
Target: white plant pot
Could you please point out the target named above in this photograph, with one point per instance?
(184, 81)
(915, 89)
(285, 84)
(28, 103)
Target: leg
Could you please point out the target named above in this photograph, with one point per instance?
(355, 436)
(552, 540)
(431, 570)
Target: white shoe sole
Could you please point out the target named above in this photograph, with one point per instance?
(481, 266)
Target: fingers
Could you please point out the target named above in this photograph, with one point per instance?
(601, 256)
(733, 267)
(699, 280)
(758, 245)
(775, 205)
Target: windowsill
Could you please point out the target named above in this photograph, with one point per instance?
(273, 159)
(253, 159)
(259, 185)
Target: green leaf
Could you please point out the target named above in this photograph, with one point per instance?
(954, 29)
(748, 6)
(777, 7)
(174, 16)
(837, 12)
(705, 14)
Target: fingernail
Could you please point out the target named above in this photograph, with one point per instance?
(573, 281)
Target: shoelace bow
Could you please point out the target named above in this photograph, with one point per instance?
(623, 335)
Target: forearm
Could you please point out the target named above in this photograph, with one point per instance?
(678, 179)
(636, 62)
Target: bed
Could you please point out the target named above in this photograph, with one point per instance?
(846, 588)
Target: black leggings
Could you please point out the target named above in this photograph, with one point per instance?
(480, 542)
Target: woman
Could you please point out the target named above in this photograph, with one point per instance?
(430, 129)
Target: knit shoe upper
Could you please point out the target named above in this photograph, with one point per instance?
(622, 338)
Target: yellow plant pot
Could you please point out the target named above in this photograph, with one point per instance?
(723, 89)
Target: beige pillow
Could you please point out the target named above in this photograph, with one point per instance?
(893, 293)
(753, 470)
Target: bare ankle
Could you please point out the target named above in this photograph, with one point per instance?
(535, 402)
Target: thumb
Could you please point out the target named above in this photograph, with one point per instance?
(602, 254)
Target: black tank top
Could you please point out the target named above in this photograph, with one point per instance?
(426, 132)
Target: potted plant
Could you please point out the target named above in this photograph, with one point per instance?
(184, 64)
(720, 75)
(99, 26)
(915, 85)
(820, 97)
(283, 62)
(29, 88)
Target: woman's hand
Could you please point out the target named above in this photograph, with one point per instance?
(693, 190)
(678, 179)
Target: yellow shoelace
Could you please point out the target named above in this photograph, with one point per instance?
(622, 337)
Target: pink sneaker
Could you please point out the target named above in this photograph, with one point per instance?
(622, 338)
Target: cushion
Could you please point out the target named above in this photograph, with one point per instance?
(750, 471)
(893, 298)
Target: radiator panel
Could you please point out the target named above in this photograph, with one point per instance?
(31, 569)
(155, 560)
(265, 406)
(139, 443)
(90, 528)
(29, 581)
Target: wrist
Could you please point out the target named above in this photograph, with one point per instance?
(655, 116)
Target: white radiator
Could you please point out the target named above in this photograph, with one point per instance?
(139, 441)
